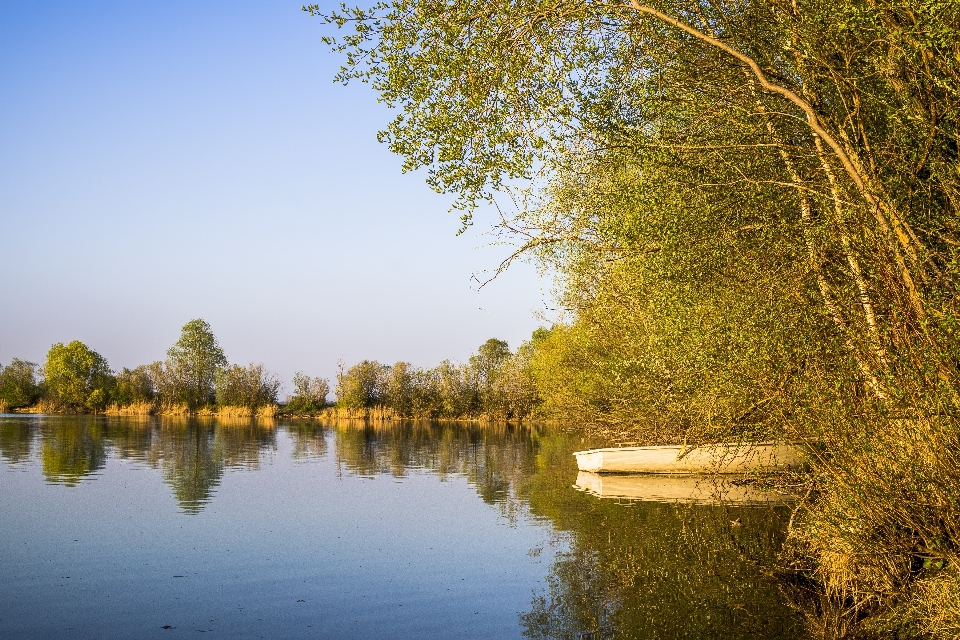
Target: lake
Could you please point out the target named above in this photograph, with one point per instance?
(169, 527)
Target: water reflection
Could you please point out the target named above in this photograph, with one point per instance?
(16, 438)
(685, 489)
(634, 569)
(71, 450)
(192, 453)
(652, 569)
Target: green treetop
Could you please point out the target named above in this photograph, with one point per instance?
(77, 376)
(199, 355)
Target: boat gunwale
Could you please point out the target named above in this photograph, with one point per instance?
(680, 447)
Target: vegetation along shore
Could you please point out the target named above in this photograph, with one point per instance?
(196, 379)
(753, 213)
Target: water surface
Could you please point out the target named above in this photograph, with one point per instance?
(163, 528)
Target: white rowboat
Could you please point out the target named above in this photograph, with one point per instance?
(708, 458)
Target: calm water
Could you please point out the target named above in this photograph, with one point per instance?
(163, 528)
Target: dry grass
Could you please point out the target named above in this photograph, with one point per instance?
(173, 409)
(883, 533)
(234, 412)
(266, 411)
(937, 604)
(134, 409)
(367, 413)
(45, 405)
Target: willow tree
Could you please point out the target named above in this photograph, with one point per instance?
(724, 165)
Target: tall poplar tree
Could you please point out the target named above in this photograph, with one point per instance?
(198, 354)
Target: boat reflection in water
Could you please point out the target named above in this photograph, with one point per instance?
(684, 489)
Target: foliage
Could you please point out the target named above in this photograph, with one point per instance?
(251, 386)
(197, 357)
(309, 394)
(18, 384)
(360, 386)
(752, 212)
(134, 386)
(76, 376)
(494, 384)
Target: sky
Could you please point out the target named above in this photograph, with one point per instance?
(166, 161)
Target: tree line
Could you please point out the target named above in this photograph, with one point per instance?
(196, 376)
(495, 383)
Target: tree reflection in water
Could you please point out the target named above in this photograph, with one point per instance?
(72, 449)
(191, 452)
(624, 570)
(655, 570)
(16, 440)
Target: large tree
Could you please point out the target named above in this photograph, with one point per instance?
(198, 355)
(77, 376)
(753, 210)
(848, 109)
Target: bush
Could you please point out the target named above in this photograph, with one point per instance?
(251, 386)
(18, 384)
(310, 394)
(134, 386)
(73, 372)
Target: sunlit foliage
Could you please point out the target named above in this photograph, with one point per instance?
(752, 211)
(19, 384)
(77, 376)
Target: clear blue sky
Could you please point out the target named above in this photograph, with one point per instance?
(171, 160)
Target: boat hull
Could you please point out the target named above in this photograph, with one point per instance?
(686, 489)
(712, 458)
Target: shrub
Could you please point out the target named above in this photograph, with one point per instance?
(251, 386)
(134, 386)
(18, 384)
(309, 395)
(73, 372)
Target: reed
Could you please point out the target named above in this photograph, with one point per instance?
(377, 413)
(267, 411)
(45, 406)
(173, 409)
(132, 409)
(233, 411)
(880, 536)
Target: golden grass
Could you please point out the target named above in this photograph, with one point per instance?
(266, 411)
(366, 413)
(937, 604)
(173, 409)
(234, 412)
(45, 406)
(134, 409)
(882, 536)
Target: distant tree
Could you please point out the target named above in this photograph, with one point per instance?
(170, 382)
(134, 385)
(251, 386)
(199, 356)
(398, 388)
(458, 393)
(491, 355)
(361, 385)
(77, 376)
(18, 384)
(309, 394)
